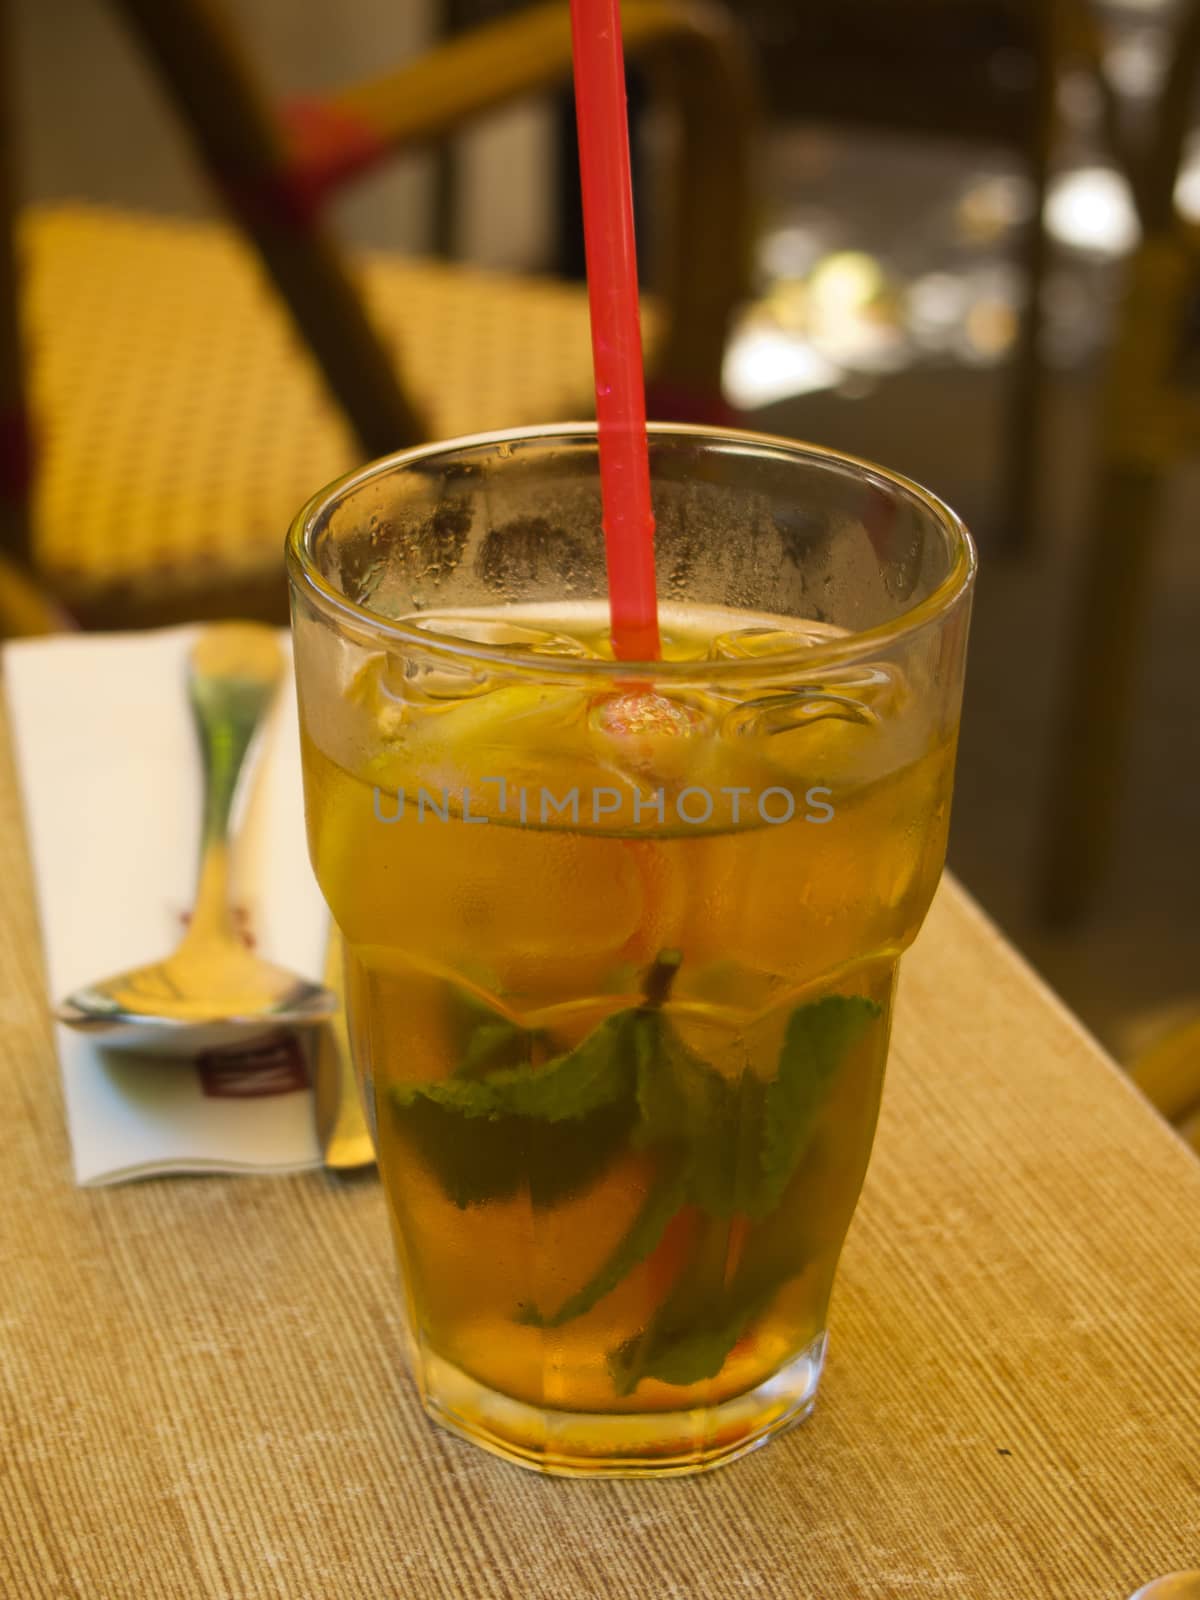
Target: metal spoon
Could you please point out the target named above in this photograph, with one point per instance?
(212, 990)
(1176, 1586)
(342, 1130)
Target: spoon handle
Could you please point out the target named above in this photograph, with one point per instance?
(342, 1130)
(233, 675)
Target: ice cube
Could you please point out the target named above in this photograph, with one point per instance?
(644, 714)
(771, 714)
(502, 632)
(438, 679)
(397, 692)
(748, 644)
(874, 685)
(377, 689)
(650, 740)
(487, 750)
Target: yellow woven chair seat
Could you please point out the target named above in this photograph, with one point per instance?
(181, 422)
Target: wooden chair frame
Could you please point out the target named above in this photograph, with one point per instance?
(1150, 416)
(274, 186)
(276, 168)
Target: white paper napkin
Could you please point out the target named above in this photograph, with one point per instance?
(109, 770)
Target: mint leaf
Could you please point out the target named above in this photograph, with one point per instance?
(726, 1173)
(650, 1053)
(681, 1315)
(729, 1147)
(493, 1044)
(553, 1127)
(493, 1157)
(640, 1241)
(816, 1042)
(596, 1073)
(707, 1312)
(485, 1038)
(718, 1120)
(746, 1140)
(685, 1354)
(680, 1102)
(679, 1096)
(484, 1133)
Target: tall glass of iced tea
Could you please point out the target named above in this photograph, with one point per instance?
(622, 937)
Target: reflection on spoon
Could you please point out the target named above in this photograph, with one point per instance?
(212, 990)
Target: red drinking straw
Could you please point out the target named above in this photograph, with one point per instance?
(616, 328)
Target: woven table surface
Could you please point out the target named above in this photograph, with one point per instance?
(202, 1391)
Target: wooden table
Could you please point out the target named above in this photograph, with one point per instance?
(203, 1392)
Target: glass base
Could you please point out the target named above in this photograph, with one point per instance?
(622, 1445)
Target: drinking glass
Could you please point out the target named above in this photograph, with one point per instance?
(622, 937)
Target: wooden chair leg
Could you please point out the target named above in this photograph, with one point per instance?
(1098, 704)
(211, 84)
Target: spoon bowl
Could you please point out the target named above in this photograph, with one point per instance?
(212, 990)
(184, 1005)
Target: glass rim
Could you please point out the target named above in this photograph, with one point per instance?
(847, 647)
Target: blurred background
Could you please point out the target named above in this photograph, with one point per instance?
(957, 236)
